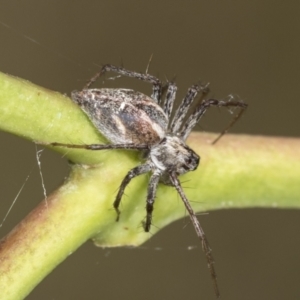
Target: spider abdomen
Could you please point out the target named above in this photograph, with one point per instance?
(123, 116)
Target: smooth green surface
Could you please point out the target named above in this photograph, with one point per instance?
(240, 171)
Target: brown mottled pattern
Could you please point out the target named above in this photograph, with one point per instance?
(128, 117)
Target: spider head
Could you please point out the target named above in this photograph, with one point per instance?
(173, 155)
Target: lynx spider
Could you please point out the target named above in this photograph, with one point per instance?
(132, 120)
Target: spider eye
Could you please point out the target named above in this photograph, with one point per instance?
(192, 162)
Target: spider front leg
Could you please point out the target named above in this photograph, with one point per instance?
(139, 170)
(185, 105)
(202, 108)
(156, 88)
(200, 233)
(152, 187)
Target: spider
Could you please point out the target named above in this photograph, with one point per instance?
(132, 120)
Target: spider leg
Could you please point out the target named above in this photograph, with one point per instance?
(170, 98)
(202, 108)
(205, 246)
(157, 85)
(98, 146)
(185, 105)
(152, 187)
(230, 124)
(130, 175)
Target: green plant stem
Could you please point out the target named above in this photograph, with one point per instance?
(239, 171)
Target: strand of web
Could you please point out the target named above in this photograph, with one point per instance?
(46, 48)
(38, 155)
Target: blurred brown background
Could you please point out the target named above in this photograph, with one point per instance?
(249, 48)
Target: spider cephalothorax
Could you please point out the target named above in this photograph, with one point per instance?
(132, 120)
